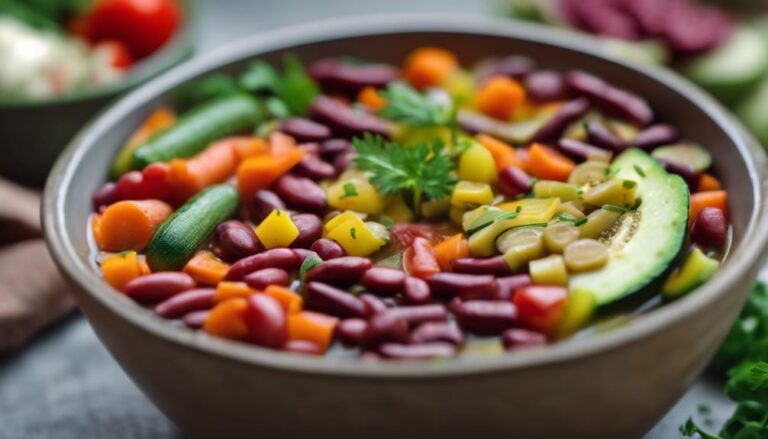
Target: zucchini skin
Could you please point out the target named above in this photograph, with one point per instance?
(196, 129)
(182, 234)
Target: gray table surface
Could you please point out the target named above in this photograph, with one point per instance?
(66, 385)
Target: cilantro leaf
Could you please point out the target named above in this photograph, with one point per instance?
(408, 106)
(293, 88)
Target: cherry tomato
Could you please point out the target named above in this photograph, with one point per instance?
(118, 55)
(540, 308)
(143, 26)
(150, 183)
(419, 260)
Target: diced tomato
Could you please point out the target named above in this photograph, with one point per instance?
(540, 307)
(419, 260)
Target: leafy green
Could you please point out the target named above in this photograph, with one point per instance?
(203, 90)
(408, 106)
(43, 14)
(294, 87)
(309, 263)
(748, 338)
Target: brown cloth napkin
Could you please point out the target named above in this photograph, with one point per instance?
(32, 293)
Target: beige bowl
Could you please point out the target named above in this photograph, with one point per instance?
(612, 385)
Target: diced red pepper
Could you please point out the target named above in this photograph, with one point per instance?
(419, 260)
(540, 307)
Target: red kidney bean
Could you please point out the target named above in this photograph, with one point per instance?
(310, 230)
(691, 28)
(234, 240)
(327, 249)
(196, 319)
(266, 321)
(385, 327)
(311, 148)
(424, 351)
(611, 99)
(465, 286)
(305, 347)
(416, 291)
(605, 18)
(484, 316)
(496, 266)
(346, 270)
(303, 253)
(383, 281)
(260, 279)
(301, 193)
(710, 227)
(437, 331)
(513, 181)
(345, 78)
(330, 300)
(506, 286)
(578, 151)
(656, 135)
(331, 148)
(263, 203)
(416, 314)
(314, 168)
(517, 338)
(374, 304)
(569, 113)
(600, 136)
(546, 86)
(351, 331)
(344, 121)
(304, 130)
(690, 175)
(198, 299)
(157, 287)
(516, 67)
(283, 258)
(343, 160)
(104, 196)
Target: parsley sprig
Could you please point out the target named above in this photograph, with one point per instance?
(408, 106)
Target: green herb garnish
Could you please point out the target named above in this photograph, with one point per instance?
(639, 170)
(293, 87)
(614, 208)
(387, 222)
(353, 233)
(490, 216)
(629, 184)
(349, 191)
(309, 263)
(580, 222)
(408, 106)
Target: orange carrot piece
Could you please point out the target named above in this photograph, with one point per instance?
(231, 290)
(291, 301)
(160, 119)
(312, 326)
(206, 268)
(548, 164)
(708, 182)
(700, 200)
(429, 66)
(452, 249)
(120, 269)
(260, 172)
(96, 220)
(500, 97)
(245, 147)
(227, 319)
(503, 154)
(144, 266)
(371, 98)
(213, 165)
(129, 225)
(281, 144)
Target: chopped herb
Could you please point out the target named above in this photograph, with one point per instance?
(704, 409)
(277, 212)
(614, 208)
(353, 233)
(490, 216)
(294, 88)
(277, 108)
(638, 202)
(309, 263)
(566, 217)
(408, 106)
(580, 222)
(629, 184)
(387, 222)
(349, 191)
(639, 170)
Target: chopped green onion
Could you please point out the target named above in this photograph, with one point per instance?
(639, 170)
(349, 191)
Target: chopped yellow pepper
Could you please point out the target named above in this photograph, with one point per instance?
(468, 192)
(355, 194)
(532, 210)
(477, 164)
(277, 230)
(356, 237)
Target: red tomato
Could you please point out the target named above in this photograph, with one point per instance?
(142, 25)
(151, 183)
(540, 308)
(419, 260)
(118, 54)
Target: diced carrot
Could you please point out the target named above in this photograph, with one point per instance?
(206, 268)
(230, 290)
(121, 268)
(144, 266)
(429, 66)
(312, 326)
(96, 220)
(281, 144)
(700, 200)
(708, 182)
(129, 225)
(419, 259)
(260, 172)
(160, 119)
(548, 164)
(227, 319)
(213, 165)
(500, 97)
(451, 250)
(503, 154)
(371, 98)
(245, 147)
(290, 300)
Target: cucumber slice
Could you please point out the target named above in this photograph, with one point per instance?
(687, 154)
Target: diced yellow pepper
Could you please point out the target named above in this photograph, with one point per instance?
(468, 192)
(277, 230)
(356, 237)
(411, 135)
(398, 211)
(576, 314)
(460, 85)
(456, 215)
(339, 219)
(549, 271)
(473, 215)
(477, 164)
(532, 210)
(696, 270)
(355, 194)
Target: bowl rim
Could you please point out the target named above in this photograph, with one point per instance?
(748, 253)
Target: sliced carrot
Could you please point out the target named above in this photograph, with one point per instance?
(245, 147)
(96, 220)
(230, 290)
(429, 66)
(227, 319)
(548, 164)
(260, 172)
(290, 300)
(500, 97)
(214, 165)
(451, 250)
(312, 326)
(371, 98)
(161, 119)
(700, 200)
(708, 182)
(206, 268)
(121, 268)
(129, 225)
(281, 144)
(503, 154)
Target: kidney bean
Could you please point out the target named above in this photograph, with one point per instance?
(104, 196)
(516, 67)
(506, 286)
(198, 299)
(385, 327)
(690, 175)
(710, 227)
(263, 203)
(330, 300)
(422, 351)
(496, 266)
(344, 121)
(580, 151)
(310, 230)
(513, 181)
(301, 193)
(437, 331)
(305, 347)
(311, 148)
(692, 29)
(416, 291)
(331, 148)
(465, 286)
(266, 321)
(304, 130)
(546, 86)
(656, 135)
(517, 338)
(611, 99)
(260, 279)
(351, 331)
(315, 168)
(484, 316)
(569, 113)
(416, 314)
(303, 253)
(383, 281)
(157, 287)
(235, 241)
(343, 160)
(600, 136)
(346, 270)
(337, 76)
(605, 18)
(283, 258)
(327, 249)
(375, 305)
(196, 319)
